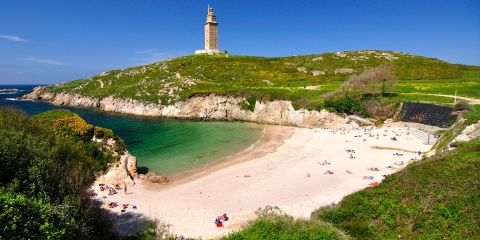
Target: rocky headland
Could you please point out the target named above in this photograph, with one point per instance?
(210, 107)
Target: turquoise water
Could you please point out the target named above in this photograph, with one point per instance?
(164, 146)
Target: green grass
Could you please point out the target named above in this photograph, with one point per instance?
(467, 86)
(272, 223)
(272, 78)
(413, 97)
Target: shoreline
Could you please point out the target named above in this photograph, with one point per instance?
(286, 172)
(277, 135)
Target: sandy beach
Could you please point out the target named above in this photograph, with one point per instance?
(287, 171)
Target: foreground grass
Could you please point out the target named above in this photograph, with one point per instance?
(272, 223)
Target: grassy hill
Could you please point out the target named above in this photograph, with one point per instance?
(267, 78)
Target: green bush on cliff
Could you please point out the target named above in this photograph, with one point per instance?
(45, 176)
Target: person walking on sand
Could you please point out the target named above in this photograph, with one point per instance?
(125, 189)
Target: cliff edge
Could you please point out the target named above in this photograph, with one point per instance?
(210, 107)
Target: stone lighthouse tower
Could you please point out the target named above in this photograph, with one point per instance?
(211, 35)
(211, 30)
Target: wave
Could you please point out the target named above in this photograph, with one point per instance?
(10, 99)
(251, 146)
(10, 91)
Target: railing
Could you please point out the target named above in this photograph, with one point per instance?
(423, 136)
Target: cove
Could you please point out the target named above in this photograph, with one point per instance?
(164, 146)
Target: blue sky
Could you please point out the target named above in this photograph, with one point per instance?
(44, 42)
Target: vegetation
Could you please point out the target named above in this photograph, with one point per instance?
(344, 105)
(268, 78)
(372, 82)
(463, 106)
(272, 223)
(49, 162)
(363, 94)
(366, 77)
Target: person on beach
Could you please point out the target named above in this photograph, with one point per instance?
(125, 189)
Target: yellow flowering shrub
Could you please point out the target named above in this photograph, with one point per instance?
(71, 125)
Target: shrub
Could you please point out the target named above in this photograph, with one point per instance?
(344, 105)
(45, 176)
(379, 109)
(463, 106)
(306, 104)
(272, 223)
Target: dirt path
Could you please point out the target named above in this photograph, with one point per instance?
(101, 83)
(469, 100)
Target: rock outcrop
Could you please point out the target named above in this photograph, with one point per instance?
(211, 107)
(154, 178)
(125, 171)
(469, 133)
(122, 172)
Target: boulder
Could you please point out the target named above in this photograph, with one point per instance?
(154, 178)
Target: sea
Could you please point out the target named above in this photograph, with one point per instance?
(165, 146)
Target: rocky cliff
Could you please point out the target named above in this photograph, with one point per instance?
(125, 171)
(469, 133)
(211, 107)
